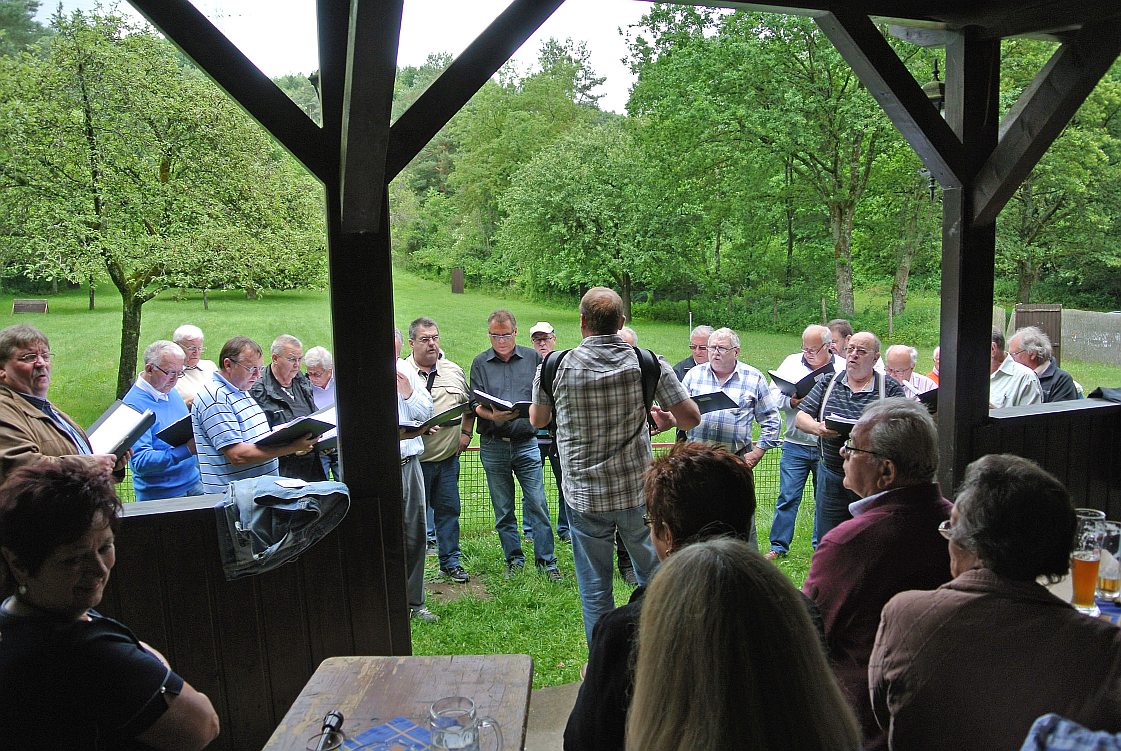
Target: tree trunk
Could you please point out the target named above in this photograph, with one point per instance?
(908, 249)
(716, 252)
(250, 293)
(789, 205)
(205, 301)
(625, 293)
(130, 343)
(91, 293)
(54, 286)
(840, 220)
(1025, 278)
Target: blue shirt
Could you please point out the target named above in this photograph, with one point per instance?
(223, 415)
(160, 470)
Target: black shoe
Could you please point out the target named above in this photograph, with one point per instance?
(430, 550)
(456, 574)
(513, 568)
(629, 577)
(566, 539)
(553, 574)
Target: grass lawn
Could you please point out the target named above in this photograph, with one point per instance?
(525, 615)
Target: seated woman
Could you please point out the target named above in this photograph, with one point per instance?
(727, 659)
(70, 677)
(971, 664)
(693, 492)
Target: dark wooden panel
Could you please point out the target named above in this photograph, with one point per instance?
(328, 601)
(287, 643)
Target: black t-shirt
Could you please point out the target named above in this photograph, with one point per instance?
(77, 685)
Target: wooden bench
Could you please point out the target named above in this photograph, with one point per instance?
(29, 306)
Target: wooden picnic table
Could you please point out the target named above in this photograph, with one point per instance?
(372, 690)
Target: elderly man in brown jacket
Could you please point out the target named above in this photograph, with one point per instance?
(31, 428)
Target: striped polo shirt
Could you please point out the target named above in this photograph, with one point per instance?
(221, 416)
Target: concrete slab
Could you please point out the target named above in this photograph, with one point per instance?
(549, 709)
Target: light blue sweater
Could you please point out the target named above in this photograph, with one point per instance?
(160, 470)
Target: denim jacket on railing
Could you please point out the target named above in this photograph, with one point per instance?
(262, 525)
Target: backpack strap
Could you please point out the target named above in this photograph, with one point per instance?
(549, 368)
(651, 374)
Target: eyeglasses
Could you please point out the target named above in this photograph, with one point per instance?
(811, 352)
(898, 371)
(544, 337)
(858, 351)
(316, 373)
(698, 348)
(172, 373)
(946, 529)
(252, 371)
(192, 349)
(848, 448)
(501, 337)
(721, 350)
(292, 360)
(31, 357)
(427, 339)
(1018, 352)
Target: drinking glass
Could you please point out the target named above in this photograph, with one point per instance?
(1109, 570)
(454, 725)
(1084, 560)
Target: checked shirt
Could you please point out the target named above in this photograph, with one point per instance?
(731, 428)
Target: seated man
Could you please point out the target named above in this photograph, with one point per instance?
(890, 545)
(1032, 348)
(160, 470)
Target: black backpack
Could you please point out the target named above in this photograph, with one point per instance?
(647, 361)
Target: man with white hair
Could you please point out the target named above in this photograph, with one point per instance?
(900, 364)
(284, 394)
(800, 455)
(1010, 383)
(698, 351)
(731, 428)
(319, 367)
(1032, 348)
(891, 543)
(160, 470)
(196, 371)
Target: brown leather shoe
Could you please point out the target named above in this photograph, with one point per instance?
(773, 555)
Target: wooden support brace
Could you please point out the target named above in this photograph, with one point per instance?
(371, 67)
(1041, 113)
(892, 85)
(466, 75)
(220, 59)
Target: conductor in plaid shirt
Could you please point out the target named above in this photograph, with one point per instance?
(731, 428)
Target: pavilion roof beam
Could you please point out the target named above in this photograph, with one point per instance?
(451, 91)
(903, 100)
(220, 59)
(371, 68)
(1041, 113)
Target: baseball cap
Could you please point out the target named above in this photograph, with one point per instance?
(541, 327)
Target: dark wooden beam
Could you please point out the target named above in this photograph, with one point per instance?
(362, 323)
(220, 59)
(1041, 113)
(892, 85)
(371, 67)
(968, 255)
(447, 94)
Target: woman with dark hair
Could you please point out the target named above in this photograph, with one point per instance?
(727, 659)
(695, 492)
(973, 663)
(71, 678)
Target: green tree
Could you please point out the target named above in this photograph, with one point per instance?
(299, 89)
(115, 155)
(18, 27)
(579, 215)
(1064, 219)
(765, 85)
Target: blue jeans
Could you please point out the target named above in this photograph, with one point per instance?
(798, 462)
(832, 501)
(502, 460)
(593, 553)
(549, 450)
(441, 490)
